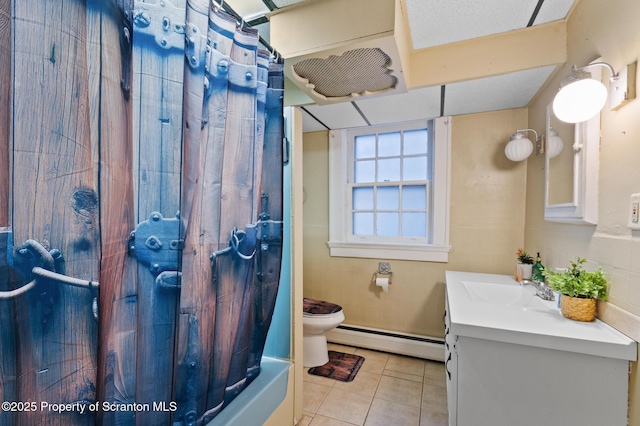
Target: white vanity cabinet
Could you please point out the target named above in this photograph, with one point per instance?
(522, 363)
(451, 365)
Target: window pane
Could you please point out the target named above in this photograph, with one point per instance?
(414, 224)
(388, 198)
(381, 205)
(364, 171)
(415, 142)
(415, 168)
(414, 197)
(365, 146)
(389, 170)
(389, 144)
(387, 224)
(363, 198)
(363, 224)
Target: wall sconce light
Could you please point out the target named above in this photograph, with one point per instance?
(520, 147)
(581, 97)
(554, 143)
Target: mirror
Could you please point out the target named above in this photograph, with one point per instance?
(571, 171)
(560, 157)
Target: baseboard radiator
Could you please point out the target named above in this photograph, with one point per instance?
(388, 341)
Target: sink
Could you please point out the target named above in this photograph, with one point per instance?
(499, 334)
(501, 294)
(496, 307)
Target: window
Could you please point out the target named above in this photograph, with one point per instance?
(389, 191)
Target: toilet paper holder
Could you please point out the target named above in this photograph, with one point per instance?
(384, 271)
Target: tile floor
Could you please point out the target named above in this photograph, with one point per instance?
(388, 390)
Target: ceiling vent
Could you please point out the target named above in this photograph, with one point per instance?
(337, 57)
(357, 72)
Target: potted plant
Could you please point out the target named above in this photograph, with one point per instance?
(579, 290)
(525, 263)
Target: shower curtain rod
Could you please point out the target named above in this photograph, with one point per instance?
(241, 21)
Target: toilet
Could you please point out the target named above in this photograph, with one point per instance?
(318, 317)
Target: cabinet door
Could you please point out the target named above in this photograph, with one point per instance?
(451, 367)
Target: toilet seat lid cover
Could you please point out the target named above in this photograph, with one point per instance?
(319, 307)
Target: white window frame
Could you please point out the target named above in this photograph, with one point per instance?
(342, 244)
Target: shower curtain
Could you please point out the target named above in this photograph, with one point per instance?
(140, 210)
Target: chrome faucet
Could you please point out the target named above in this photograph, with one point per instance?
(543, 291)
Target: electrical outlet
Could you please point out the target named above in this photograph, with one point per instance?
(634, 212)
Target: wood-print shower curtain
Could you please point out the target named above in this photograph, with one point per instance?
(140, 210)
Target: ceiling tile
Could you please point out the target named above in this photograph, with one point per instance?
(310, 124)
(283, 3)
(436, 22)
(553, 11)
(414, 105)
(337, 116)
(247, 9)
(513, 90)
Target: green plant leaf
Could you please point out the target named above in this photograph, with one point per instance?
(577, 282)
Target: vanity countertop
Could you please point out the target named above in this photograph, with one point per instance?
(479, 308)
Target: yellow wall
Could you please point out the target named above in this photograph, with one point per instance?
(486, 228)
(609, 30)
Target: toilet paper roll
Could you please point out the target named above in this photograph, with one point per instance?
(383, 282)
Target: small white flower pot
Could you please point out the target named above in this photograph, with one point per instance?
(526, 271)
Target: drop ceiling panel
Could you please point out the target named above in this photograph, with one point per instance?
(437, 22)
(283, 3)
(433, 23)
(414, 105)
(310, 124)
(513, 90)
(553, 10)
(337, 116)
(247, 9)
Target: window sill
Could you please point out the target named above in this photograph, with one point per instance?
(425, 253)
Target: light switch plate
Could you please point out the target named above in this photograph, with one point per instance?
(634, 213)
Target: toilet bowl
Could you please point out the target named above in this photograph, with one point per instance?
(318, 317)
